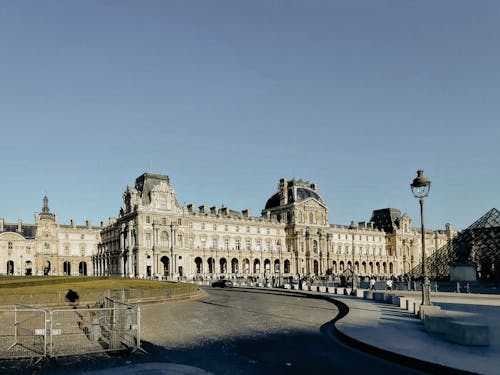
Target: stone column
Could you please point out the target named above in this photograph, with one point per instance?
(130, 255)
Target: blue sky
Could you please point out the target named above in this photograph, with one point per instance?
(227, 97)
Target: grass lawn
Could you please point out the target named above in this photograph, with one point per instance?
(39, 290)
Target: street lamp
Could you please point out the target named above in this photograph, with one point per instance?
(354, 286)
(420, 188)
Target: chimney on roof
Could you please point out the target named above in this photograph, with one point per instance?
(203, 209)
(246, 213)
(1, 225)
(214, 210)
(190, 208)
(73, 223)
(87, 223)
(282, 192)
(102, 224)
(19, 225)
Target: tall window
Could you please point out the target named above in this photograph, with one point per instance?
(148, 239)
(238, 244)
(10, 245)
(226, 243)
(249, 244)
(164, 239)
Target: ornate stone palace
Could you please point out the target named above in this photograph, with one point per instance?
(46, 247)
(155, 237)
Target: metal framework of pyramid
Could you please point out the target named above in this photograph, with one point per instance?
(479, 243)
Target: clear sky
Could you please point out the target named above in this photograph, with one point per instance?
(227, 97)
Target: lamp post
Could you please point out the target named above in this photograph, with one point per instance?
(353, 281)
(420, 188)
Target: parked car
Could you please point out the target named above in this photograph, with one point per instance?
(222, 284)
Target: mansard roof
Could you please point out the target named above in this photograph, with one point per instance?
(296, 191)
(28, 231)
(146, 182)
(386, 219)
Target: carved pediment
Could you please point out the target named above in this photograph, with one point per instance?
(163, 198)
(313, 204)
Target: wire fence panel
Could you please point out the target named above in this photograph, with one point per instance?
(125, 322)
(23, 332)
(94, 330)
(27, 332)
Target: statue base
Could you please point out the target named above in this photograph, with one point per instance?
(463, 271)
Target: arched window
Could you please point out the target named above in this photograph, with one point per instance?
(315, 247)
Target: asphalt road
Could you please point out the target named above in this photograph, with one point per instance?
(241, 331)
(245, 331)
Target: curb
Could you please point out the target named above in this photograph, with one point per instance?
(411, 362)
(415, 363)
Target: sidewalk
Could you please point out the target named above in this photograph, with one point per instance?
(385, 330)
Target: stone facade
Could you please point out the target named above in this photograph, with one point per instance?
(46, 247)
(154, 237)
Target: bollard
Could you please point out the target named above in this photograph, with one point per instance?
(458, 287)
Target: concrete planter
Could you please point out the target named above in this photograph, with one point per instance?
(436, 323)
(379, 296)
(367, 294)
(396, 300)
(468, 333)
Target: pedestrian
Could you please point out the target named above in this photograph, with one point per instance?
(388, 284)
(372, 283)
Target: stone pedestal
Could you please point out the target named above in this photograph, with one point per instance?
(463, 271)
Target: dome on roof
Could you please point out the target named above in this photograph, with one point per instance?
(302, 193)
(274, 201)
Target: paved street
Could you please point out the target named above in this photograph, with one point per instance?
(236, 331)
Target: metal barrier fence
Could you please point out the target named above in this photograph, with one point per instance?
(23, 332)
(29, 332)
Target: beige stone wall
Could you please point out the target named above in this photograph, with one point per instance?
(155, 237)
